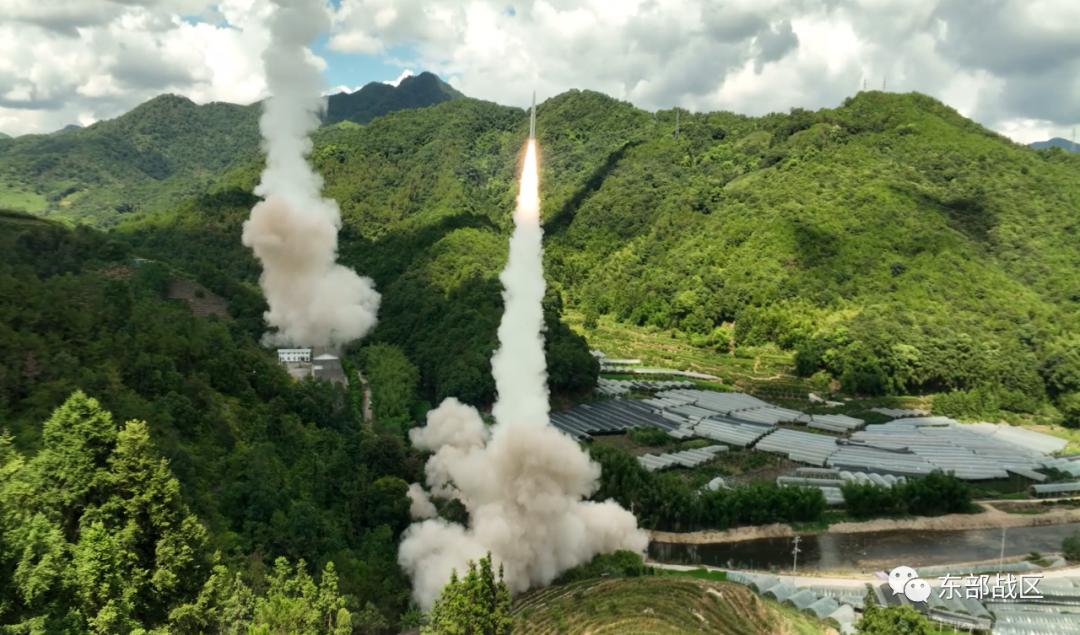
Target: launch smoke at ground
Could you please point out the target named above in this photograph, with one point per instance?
(293, 231)
(523, 482)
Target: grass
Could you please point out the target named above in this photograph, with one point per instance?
(700, 383)
(671, 349)
(1069, 434)
(17, 198)
(699, 574)
(655, 605)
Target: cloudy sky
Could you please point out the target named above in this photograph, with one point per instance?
(1013, 65)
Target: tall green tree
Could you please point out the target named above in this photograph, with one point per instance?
(477, 604)
(97, 533)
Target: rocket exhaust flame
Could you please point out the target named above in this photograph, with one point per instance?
(523, 482)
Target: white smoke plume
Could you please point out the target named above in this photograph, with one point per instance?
(524, 482)
(421, 506)
(293, 231)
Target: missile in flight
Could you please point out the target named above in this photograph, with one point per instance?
(532, 119)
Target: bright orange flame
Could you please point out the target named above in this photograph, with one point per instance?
(529, 195)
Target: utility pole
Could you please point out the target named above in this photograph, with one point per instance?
(864, 83)
(795, 562)
(884, 83)
(676, 124)
(1001, 559)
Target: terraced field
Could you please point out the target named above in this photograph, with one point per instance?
(665, 605)
(759, 371)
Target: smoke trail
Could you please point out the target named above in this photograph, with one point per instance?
(293, 231)
(523, 482)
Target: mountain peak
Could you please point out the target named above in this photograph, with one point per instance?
(1057, 142)
(378, 98)
(67, 128)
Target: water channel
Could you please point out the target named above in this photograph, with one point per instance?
(868, 552)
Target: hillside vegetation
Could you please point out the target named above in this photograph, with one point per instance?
(889, 244)
(163, 152)
(257, 466)
(649, 605)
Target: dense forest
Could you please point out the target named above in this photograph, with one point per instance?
(889, 244)
(164, 152)
(103, 378)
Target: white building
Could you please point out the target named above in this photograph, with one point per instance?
(286, 355)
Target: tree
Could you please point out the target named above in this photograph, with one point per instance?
(71, 470)
(393, 380)
(475, 605)
(891, 620)
(1071, 546)
(295, 605)
(98, 530)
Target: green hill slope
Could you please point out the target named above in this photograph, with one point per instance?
(890, 243)
(153, 157)
(271, 466)
(164, 151)
(377, 99)
(654, 606)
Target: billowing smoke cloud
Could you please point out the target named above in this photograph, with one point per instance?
(293, 231)
(523, 482)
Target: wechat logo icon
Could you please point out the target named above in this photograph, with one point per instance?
(905, 580)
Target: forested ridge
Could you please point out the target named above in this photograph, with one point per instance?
(889, 244)
(164, 151)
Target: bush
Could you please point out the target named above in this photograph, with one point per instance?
(981, 402)
(1069, 405)
(650, 436)
(932, 495)
(1071, 547)
(621, 564)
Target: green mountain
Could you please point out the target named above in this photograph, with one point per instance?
(153, 157)
(4, 136)
(67, 128)
(1057, 142)
(163, 152)
(377, 99)
(890, 243)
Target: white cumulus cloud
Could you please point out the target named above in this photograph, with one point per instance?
(86, 60)
(1013, 65)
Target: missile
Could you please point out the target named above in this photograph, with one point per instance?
(532, 119)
